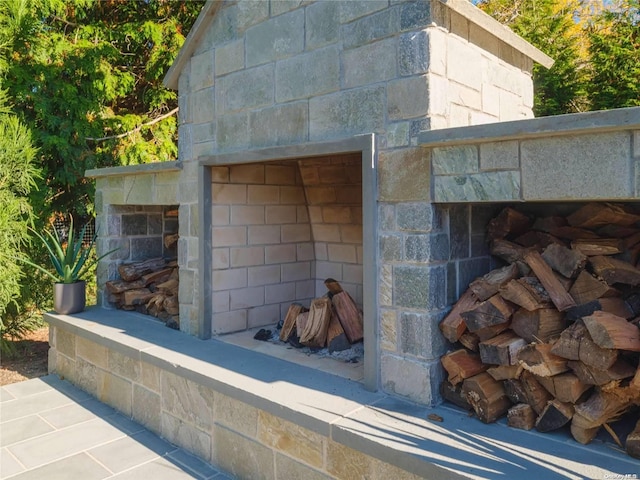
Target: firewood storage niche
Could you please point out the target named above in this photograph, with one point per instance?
(280, 230)
(549, 337)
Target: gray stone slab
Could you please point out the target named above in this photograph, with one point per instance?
(310, 74)
(454, 160)
(194, 464)
(160, 469)
(5, 395)
(23, 389)
(8, 464)
(481, 187)
(79, 466)
(32, 404)
(23, 429)
(63, 443)
(76, 413)
(276, 38)
(129, 452)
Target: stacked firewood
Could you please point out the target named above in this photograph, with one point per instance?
(149, 287)
(552, 338)
(332, 321)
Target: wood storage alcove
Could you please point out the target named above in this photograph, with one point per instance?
(550, 339)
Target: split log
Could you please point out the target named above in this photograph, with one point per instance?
(333, 286)
(548, 224)
(349, 315)
(537, 240)
(558, 294)
(139, 296)
(170, 240)
(598, 246)
(453, 326)
(487, 333)
(301, 322)
(315, 331)
(573, 233)
(504, 372)
(502, 349)
(158, 276)
(566, 387)
(488, 285)
(514, 390)
(337, 340)
(289, 323)
(568, 345)
(592, 376)
(601, 407)
(613, 305)
(521, 416)
(462, 364)
(538, 359)
(632, 445)
(612, 270)
(486, 396)
(595, 215)
(171, 305)
(555, 415)
(470, 341)
(610, 331)
(526, 292)
(133, 271)
(507, 251)
(539, 325)
(121, 286)
(565, 261)
(170, 286)
(493, 311)
(535, 394)
(508, 222)
(587, 288)
(453, 393)
(594, 356)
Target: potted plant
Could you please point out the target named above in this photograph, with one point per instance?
(70, 261)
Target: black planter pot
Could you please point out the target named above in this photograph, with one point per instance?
(69, 297)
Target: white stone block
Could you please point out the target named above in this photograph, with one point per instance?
(229, 279)
(464, 62)
(281, 214)
(265, 275)
(326, 233)
(247, 215)
(292, 272)
(228, 236)
(264, 315)
(264, 234)
(305, 251)
(229, 194)
(251, 173)
(246, 298)
(247, 256)
(280, 174)
(220, 301)
(263, 194)
(292, 196)
(227, 322)
(280, 292)
(300, 232)
(283, 253)
(220, 258)
(342, 253)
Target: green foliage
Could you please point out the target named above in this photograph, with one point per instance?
(615, 57)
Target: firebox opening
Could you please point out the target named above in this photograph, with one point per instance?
(279, 230)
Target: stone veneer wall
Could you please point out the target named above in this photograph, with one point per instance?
(279, 73)
(244, 440)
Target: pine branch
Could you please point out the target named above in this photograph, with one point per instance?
(135, 130)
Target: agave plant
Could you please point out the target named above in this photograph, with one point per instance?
(70, 258)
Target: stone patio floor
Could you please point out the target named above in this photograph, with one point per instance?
(50, 429)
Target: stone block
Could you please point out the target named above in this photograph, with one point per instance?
(263, 194)
(408, 97)
(186, 436)
(351, 234)
(223, 193)
(499, 155)
(419, 287)
(491, 100)
(203, 103)
(277, 38)
(295, 233)
(481, 187)
(65, 343)
(292, 272)
(390, 247)
(228, 279)
(418, 381)
(246, 298)
(65, 367)
(427, 248)
(229, 58)
(227, 322)
(235, 415)
(484, 39)
(250, 88)
(279, 125)
(418, 217)
(150, 376)
(341, 253)
(284, 6)
(114, 391)
(280, 292)
(372, 27)
(232, 131)
(305, 251)
(287, 467)
(311, 74)
(454, 160)
(371, 63)
(263, 315)
(146, 408)
(240, 456)
(143, 248)
(263, 234)
(305, 291)
(385, 286)
(229, 236)
(201, 74)
(280, 214)
(328, 270)
(266, 275)
(124, 365)
(244, 215)
(187, 400)
(92, 352)
(460, 95)
(403, 175)
(413, 53)
(470, 269)
(389, 330)
(321, 195)
(250, 13)
(347, 113)
(386, 217)
(636, 144)
(326, 233)
(420, 335)
(246, 256)
(459, 231)
(398, 134)
(355, 9)
(86, 376)
(281, 174)
(291, 439)
(292, 196)
(322, 24)
(277, 254)
(570, 177)
(345, 462)
(139, 189)
(248, 173)
(464, 72)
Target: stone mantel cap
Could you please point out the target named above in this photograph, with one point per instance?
(462, 7)
(558, 125)
(143, 169)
